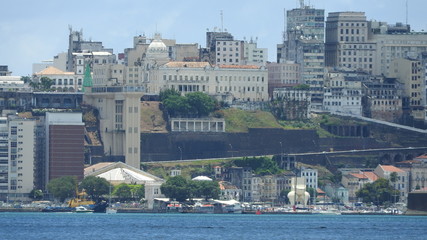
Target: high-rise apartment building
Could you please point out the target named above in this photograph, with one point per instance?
(411, 74)
(17, 157)
(65, 145)
(304, 44)
(347, 44)
(354, 43)
(4, 71)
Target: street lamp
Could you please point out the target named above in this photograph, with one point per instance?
(180, 150)
(281, 153)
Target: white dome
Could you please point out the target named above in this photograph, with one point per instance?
(157, 45)
(201, 178)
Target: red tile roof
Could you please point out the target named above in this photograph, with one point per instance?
(371, 175)
(187, 64)
(390, 168)
(319, 191)
(358, 175)
(239, 66)
(424, 156)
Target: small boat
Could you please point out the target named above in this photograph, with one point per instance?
(83, 209)
(110, 210)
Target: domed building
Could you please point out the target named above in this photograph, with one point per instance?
(157, 52)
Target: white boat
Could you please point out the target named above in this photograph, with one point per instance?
(110, 210)
(329, 211)
(82, 209)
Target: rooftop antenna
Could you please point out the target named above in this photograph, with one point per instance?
(406, 12)
(222, 21)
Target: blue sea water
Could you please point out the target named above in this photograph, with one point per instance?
(208, 226)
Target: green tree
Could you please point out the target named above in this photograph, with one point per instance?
(260, 165)
(123, 192)
(95, 186)
(35, 85)
(163, 95)
(138, 191)
(63, 187)
(302, 87)
(176, 106)
(378, 192)
(36, 194)
(205, 189)
(46, 83)
(336, 178)
(393, 180)
(26, 79)
(176, 188)
(393, 177)
(201, 105)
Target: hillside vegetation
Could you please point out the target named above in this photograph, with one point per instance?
(237, 120)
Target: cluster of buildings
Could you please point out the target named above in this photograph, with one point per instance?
(410, 176)
(349, 64)
(241, 184)
(35, 150)
(345, 64)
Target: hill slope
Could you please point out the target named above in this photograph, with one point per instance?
(237, 120)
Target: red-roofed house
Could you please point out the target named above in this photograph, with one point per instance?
(355, 181)
(402, 183)
(229, 191)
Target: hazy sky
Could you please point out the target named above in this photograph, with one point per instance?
(32, 31)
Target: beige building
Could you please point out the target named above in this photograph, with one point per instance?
(62, 81)
(120, 118)
(346, 42)
(284, 74)
(354, 43)
(175, 51)
(156, 73)
(355, 181)
(264, 188)
(402, 183)
(409, 72)
(244, 82)
(417, 169)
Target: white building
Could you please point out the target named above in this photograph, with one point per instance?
(12, 83)
(343, 94)
(17, 157)
(118, 172)
(310, 176)
(254, 55)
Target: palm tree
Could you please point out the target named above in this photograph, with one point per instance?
(393, 179)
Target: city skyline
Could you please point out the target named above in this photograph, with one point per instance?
(39, 30)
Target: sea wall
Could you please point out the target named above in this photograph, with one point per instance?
(193, 145)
